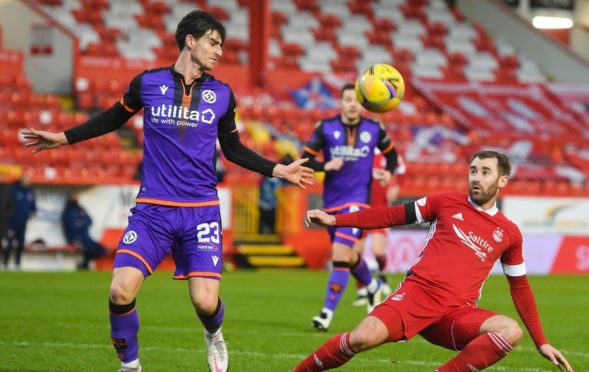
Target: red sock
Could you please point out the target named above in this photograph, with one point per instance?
(482, 352)
(382, 262)
(335, 352)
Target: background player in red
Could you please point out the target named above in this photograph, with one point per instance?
(438, 298)
(177, 211)
(385, 191)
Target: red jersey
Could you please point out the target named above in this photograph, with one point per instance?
(464, 242)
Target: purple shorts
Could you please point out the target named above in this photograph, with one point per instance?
(192, 234)
(345, 235)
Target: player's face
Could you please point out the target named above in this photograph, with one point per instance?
(351, 109)
(484, 181)
(207, 50)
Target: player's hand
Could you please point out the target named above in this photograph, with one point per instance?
(319, 217)
(334, 164)
(383, 176)
(43, 140)
(555, 357)
(295, 173)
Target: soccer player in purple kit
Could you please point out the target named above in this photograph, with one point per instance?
(348, 141)
(186, 111)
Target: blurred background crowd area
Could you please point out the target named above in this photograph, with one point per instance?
(480, 74)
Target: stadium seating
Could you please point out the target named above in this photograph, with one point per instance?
(424, 39)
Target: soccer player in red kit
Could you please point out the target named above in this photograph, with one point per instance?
(438, 297)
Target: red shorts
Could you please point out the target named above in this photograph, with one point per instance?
(378, 231)
(434, 313)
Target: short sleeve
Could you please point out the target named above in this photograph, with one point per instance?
(227, 122)
(385, 145)
(428, 207)
(131, 100)
(315, 143)
(512, 258)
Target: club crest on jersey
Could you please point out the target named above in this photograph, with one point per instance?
(498, 235)
(209, 96)
(164, 89)
(365, 137)
(130, 237)
(337, 134)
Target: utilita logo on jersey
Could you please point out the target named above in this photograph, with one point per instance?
(180, 116)
(350, 152)
(479, 245)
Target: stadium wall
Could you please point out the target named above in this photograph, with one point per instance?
(49, 48)
(554, 58)
(545, 254)
(107, 205)
(580, 37)
(556, 230)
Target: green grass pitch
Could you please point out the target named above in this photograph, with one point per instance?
(59, 322)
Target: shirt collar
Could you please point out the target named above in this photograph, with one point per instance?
(178, 75)
(491, 211)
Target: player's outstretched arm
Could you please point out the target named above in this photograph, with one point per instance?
(525, 304)
(295, 173)
(319, 217)
(102, 123)
(43, 140)
(555, 356)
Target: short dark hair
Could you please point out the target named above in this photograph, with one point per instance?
(197, 23)
(503, 162)
(347, 86)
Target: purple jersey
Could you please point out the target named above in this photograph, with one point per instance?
(181, 125)
(355, 145)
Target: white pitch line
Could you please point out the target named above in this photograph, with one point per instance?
(319, 335)
(359, 360)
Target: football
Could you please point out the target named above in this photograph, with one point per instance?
(380, 88)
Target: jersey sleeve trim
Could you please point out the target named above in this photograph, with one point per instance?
(514, 270)
(311, 151)
(127, 107)
(388, 149)
(418, 215)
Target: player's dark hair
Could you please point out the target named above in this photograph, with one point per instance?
(197, 23)
(503, 162)
(347, 86)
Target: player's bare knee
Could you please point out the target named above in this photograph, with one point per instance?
(342, 253)
(120, 295)
(515, 334)
(362, 339)
(205, 304)
(511, 331)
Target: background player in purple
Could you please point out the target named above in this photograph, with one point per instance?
(347, 142)
(186, 111)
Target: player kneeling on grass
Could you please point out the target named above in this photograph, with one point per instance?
(438, 298)
(185, 111)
